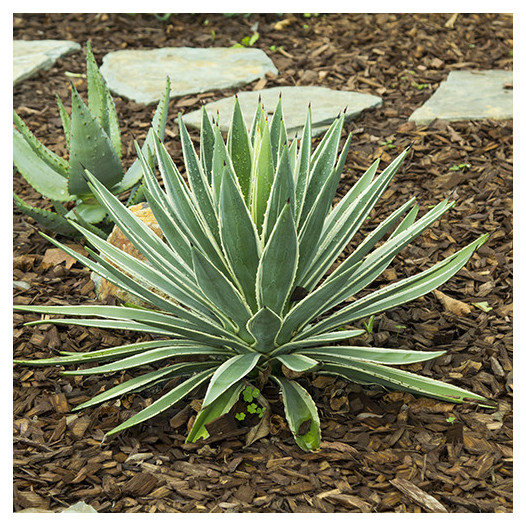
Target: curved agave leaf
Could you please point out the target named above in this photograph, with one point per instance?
(278, 263)
(367, 372)
(240, 149)
(143, 381)
(228, 374)
(220, 406)
(349, 355)
(298, 362)
(301, 414)
(165, 402)
(264, 326)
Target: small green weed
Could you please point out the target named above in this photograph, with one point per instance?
(460, 167)
(483, 306)
(419, 86)
(248, 41)
(369, 324)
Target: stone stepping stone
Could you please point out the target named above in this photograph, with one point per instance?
(140, 75)
(326, 104)
(469, 95)
(32, 56)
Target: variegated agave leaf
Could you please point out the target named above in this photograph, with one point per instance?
(241, 274)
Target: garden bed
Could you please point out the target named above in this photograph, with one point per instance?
(377, 446)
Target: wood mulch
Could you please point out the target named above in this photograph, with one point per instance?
(381, 452)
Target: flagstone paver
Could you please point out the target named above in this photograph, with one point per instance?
(32, 56)
(325, 106)
(140, 75)
(469, 95)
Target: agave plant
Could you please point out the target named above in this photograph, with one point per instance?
(240, 284)
(94, 141)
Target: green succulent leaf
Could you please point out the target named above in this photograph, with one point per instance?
(220, 406)
(240, 150)
(301, 414)
(49, 220)
(228, 374)
(40, 175)
(91, 149)
(264, 327)
(165, 402)
(372, 373)
(297, 362)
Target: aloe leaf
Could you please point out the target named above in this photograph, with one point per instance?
(100, 356)
(91, 149)
(301, 414)
(100, 102)
(155, 133)
(45, 155)
(229, 373)
(148, 357)
(264, 326)
(39, 174)
(201, 193)
(166, 217)
(349, 355)
(90, 212)
(165, 402)
(220, 161)
(256, 122)
(239, 238)
(220, 406)
(240, 149)
(400, 292)
(66, 125)
(49, 220)
(171, 232)
(278, 263)
(153, 249)
(143, 381)
(408, 220)
(371, 373)
(218, 289)
(348, 279)
(297, 362)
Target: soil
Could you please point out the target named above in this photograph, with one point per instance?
(381, 451)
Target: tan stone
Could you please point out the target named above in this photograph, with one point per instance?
(103, 288)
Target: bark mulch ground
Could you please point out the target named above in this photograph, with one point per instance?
(382, 451)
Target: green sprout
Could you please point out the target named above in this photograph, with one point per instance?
(460, 167)
(369, 324)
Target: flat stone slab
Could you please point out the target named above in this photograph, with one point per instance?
(140, 75)
(326, 104)
(32, 56)
(469, 95)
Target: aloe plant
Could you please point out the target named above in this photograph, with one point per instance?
(93, 139)
(241, 283)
